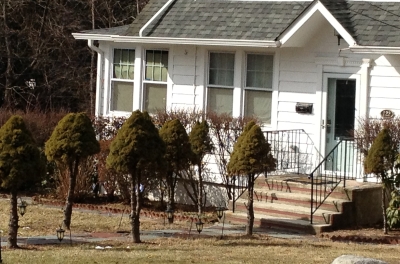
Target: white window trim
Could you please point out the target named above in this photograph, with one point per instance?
(271, 89)
(144, 81)
(112, 79)
(207, 75)
(245, 72)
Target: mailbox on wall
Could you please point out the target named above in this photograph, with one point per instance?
(304, 108)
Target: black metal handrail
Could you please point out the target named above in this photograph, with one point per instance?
(292, 149)
(340, 163)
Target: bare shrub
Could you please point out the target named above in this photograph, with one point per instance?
(113, 183)
(108, 177)
(368, 130)
(40, 124)
(107, 128)
(225, 130)
(83, 188)
(187, 118)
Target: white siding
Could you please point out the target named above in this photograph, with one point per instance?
(186, 75)
(385, 85)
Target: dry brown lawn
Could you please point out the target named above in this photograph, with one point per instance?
(42, 220)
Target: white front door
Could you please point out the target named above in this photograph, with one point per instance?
(339, 116)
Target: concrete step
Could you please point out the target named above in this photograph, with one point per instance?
(299, 199)
(300, 184)
(287, 224)
(287, 211)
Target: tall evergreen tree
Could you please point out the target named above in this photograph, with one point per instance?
(20, 161)
(201, 146)
(250, 157)
(136, 145)
(177, 155)
(71, 142)
(380, 160)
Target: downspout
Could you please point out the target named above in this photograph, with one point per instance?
(167, 4)
(99, 78)
(195, 77)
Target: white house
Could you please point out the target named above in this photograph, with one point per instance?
(312, 65)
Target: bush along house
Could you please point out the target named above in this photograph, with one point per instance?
(309, 70)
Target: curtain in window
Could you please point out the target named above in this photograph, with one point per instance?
(258, 104)
(220, 100)
(122, 96)
(221, 69)
(259, 71)
(124, 64)
(155, 97)
(156, 65)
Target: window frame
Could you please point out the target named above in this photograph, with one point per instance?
(148, 81)
(124, 80)
(216, 86)
(261, 89)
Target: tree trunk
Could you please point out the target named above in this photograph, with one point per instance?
(200, 191)
(250, 208)
(135, 206)
(92, 89)
(73, 171)
(8, 73)
(385, 229)
(171, 194)
(13, 224)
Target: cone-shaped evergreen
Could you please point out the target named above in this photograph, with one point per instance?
(380, 161)
(382, 154)
(201, 145)
(72, 140)
(250, 157)
(20, 161)
(136, 145)
(177, 155)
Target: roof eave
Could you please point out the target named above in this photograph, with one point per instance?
(182, 41)
(375, 49)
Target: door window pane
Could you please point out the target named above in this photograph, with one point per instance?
(155, 97)
(258, 104)
(122, 96)
(344, 107)
(220, 100)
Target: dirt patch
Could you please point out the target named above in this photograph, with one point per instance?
(364, 235)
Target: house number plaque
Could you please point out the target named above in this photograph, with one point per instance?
(387, 114)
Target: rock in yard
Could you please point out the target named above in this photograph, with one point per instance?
(351, 259)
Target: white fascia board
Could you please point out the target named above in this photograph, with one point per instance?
(305, 16)
(375, 49)
(182, 41)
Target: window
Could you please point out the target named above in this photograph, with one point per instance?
(220, 83)
(122, 80)
(155, 80)
(258, 90)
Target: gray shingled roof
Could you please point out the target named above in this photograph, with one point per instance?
(370, 23)
(222, 19)
(217, 19)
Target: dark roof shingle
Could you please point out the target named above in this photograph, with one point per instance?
(370, 23)
(220, 19)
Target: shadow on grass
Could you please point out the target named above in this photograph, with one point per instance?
(244, 240)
